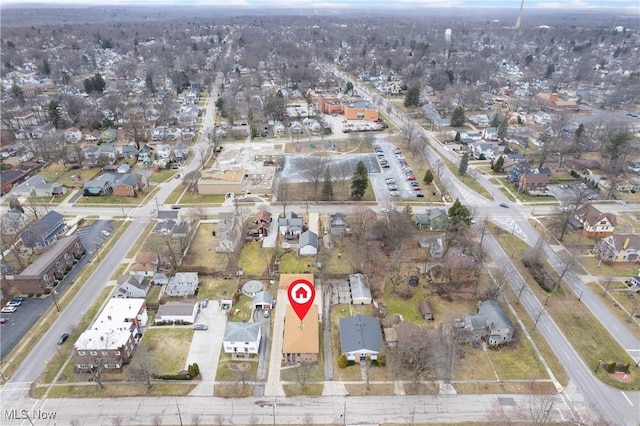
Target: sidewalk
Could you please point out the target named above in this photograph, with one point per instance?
(273, 387)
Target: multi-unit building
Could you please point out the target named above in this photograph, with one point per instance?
(110, 341)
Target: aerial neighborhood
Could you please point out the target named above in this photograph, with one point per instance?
(461, 196)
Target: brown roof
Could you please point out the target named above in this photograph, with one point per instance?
(536, 178)
(459, 260)
(287, 279)
(263, 215)
(591, 215)
(626, 241)
(301, 337)
(147, 257)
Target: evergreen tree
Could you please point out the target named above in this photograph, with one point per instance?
(458, 138)
(497, 167)
(458, 214)
(464, 162)
(502, 128)
(360, 181)
(17, 92)
(349, 87)
(327, 186)
(495, 121)
(428, 177)
(46, 67)
(148, 82)
(53, 110)
(458, 118)
(412, 98)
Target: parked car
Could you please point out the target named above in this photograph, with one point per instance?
(420, 194)
(200, 327)
(267, 313)
(204, 303)
(153, 210)
(9, 309)
(18, 299)
(411, 178)
(413, 280)
(63, 338)
(105, 233)
(505, 205)
(15, 303)
(175, 207)
(3, 320)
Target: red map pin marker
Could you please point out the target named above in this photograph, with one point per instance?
(301, 295)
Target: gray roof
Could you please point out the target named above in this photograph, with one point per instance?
(360, 332)
(337, 219)
(168, 214)
(308, 238)
(43, 261)
(358, 287)
(263, 297)
(140, 283)
(241, 331)
(494, 313)
(176, 308)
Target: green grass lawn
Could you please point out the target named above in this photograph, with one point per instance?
(254, 259)
(111, 199)
(188, 198)
(517, 361)
(237, 370)
(217, 288)
(168, 346)
(162, 175)
(174, 197)
(291, 263)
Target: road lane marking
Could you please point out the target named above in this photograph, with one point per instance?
(627, 398)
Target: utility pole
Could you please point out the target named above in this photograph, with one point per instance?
(53, 295)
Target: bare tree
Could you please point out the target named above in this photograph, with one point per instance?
(195, 420)
(303, 372)
(313, 169)
(499, 280)
(410, 133)
(567, 264)
(190, 180)
(283, 193)
(143, 367)
(342, 174)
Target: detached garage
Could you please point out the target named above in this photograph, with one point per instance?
(177, 313)
(360, 293)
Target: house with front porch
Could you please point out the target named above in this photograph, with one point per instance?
(618, 248)
(360, 338)
(490, 324)
(594, 222)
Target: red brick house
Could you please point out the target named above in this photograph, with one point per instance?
(128, 185)
(533, 183)
(49, 267)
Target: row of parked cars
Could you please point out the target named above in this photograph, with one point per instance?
(406, 170)
(12, 305)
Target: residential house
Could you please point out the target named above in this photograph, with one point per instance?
(44, 231)
(48, 190)
(360, 337)
(490, 324)
(242, 339)
(110, 341)
(301, 341)
(108, 136)
(181, 230)
(436, 245)
(157, 133)
(533, 183)
(128, 185)
(634, 283)
(291, 225)
(132, 286)
(146, 264)
(164, 152)
(434, 219)
(490, 134)
(182, 284)
(123, 169)
(72, 135)
(594, 222)
(260, 226)
(227, 233)
(308, 244)
(146, 154)
(360, 292)
(168, 215)
(101, 185)
(14, 221)
(619, 248)
(108, 153)
(49, 267)
(483, 149)
(11, 178)
(160, 278)
(338, 224)
(181, 151)
(177, 312)
(28, 187)
(461, 268)
(128, 152)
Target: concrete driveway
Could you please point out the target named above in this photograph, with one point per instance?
(206, 346)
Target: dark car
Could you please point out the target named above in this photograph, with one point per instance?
(18, 299)
(505, 205)
(63, 338)
(413, 281)
(200, 327)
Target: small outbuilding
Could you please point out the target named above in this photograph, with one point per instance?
(263, 300)
(426, 310)
(360, 292)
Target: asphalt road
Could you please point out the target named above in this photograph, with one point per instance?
(21, 321)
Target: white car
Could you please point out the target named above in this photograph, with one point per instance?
(9, 309)
(153, 210)
(14, 303)
(105, 233)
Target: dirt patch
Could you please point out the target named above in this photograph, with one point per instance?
(621, 377)
(238, 366)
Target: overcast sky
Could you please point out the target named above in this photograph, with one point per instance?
(381, 4)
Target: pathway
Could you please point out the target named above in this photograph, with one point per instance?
(273, 386)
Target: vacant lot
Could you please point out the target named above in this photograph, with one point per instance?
(168, 346)
(202, 255)
(255, 260)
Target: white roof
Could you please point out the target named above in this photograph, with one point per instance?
(110, 330)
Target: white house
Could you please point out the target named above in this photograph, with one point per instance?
(242, 339)
(132, 286)
(177, 312)
(308, 244)
(182, 284)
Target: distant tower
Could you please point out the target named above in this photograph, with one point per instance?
(519, 15)
(447, 35)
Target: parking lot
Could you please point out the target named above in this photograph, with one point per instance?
(564, 193)
(19, 322)
(396, 179)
